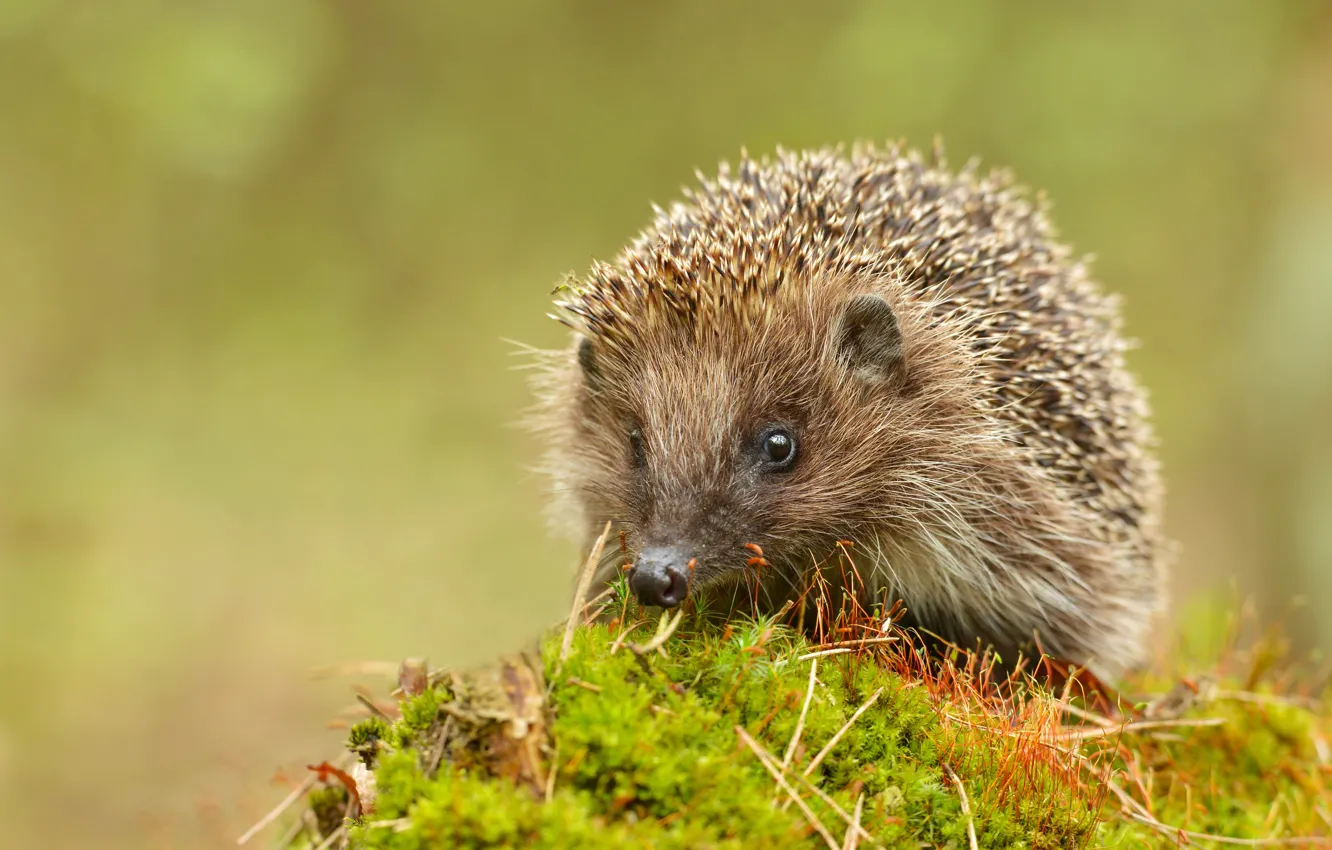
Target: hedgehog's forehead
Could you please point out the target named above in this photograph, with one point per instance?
(742, 345)
(619, 305)
(683, 395)
(614, 305)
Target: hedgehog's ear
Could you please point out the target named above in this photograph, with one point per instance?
(869, 340)
(587, 361)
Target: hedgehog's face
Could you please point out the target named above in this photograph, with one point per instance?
(729, 456)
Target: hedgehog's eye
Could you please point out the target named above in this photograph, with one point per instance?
(777, 448)
(636, 449)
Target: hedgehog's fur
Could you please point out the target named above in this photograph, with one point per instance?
(1002, 486)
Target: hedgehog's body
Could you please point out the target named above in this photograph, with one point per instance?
(872, 349)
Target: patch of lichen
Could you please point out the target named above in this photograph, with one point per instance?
(644, 752)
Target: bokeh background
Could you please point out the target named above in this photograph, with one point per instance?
(259, 260)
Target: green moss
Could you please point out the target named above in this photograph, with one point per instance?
(365, 738)
(329, 805)
(420, 712)
(1256, 775)
(645, 753)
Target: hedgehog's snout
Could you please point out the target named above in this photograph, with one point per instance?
(660, 577)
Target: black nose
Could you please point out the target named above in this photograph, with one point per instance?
(660, 577)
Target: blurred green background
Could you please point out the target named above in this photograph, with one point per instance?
(258, 260)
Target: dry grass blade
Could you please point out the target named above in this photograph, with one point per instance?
(832, 742)
(335, 835)
(1082, 734)
(861, 832)
(1135, 811)
(296, 793)
(1176, 832)
(584, 582)
(549, 790)
(966, 808)
(436, 753)
(771, 763)
(1083, 714)
(804, 712)
(591, 618)
(624, 633)
(663, 634)
(765, 760)
(1267, 699)
(311, 824)
(295, 830)
(853, 831)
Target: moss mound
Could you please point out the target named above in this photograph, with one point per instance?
(679, 745)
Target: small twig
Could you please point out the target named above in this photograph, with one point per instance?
(1085, 734)
(579, 683)
(795, 798)
(804, 711)
(584, 582)
(810, 656)
(840, 644)
(374, 709)
(387, 669)
(397, 824)
(832, 742)
(436, 754)
(287, 802)
(662, 635)
(966, 808)
(1222, 839)
(842, 647)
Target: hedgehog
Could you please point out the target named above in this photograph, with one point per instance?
(863, 352)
